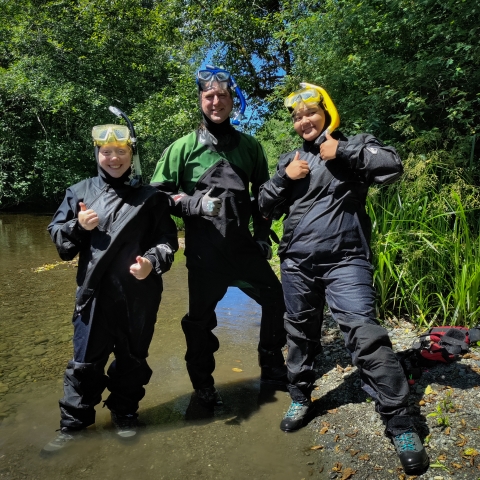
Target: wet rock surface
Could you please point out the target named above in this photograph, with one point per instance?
(348, 439)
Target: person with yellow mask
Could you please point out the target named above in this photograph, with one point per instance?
(321, 190)
(126, 240)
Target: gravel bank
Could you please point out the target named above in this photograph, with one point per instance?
(351, 434)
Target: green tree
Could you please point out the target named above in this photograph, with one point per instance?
(62, 63)
(408, 71)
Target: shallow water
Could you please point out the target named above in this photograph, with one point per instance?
(241, 441)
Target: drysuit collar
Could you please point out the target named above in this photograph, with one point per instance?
(311, 147)
(115, 182)
(217, 129)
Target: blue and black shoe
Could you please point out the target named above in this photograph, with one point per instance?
(297, 416)
(411, 452)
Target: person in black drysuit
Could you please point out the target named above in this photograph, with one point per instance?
(126, 241)
(208, 173)
(321, 189)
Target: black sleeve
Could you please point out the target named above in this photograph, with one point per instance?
(65, 230)
(181, 204)
(274, 197)
(164, 240)
(372, 160)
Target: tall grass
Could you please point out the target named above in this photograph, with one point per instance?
(426, 245)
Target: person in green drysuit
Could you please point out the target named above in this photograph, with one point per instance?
(213, 175)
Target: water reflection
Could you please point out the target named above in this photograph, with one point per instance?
(241, 440)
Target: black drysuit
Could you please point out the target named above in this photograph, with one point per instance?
(114, 311)
(221, 250)
(325, 254)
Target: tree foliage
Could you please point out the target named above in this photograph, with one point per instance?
(407, 71)
(62, 63)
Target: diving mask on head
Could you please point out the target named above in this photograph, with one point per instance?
(212, 75)
(313, 95)
(111, 133)
(122, 135)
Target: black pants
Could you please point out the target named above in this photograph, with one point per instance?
(123, 325)
(348, 289)
(206, 289)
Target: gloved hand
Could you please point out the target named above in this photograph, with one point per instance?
(211, 205)
(265, 248)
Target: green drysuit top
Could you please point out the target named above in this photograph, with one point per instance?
(229, 164)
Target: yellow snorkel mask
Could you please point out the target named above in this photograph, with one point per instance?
(111, 133)
(312, 94)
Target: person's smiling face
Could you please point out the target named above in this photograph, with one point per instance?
(309, 121)
(115, 159)
(216, 103)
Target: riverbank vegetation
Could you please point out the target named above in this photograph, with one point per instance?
(408, 72)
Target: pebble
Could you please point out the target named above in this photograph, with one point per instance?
(39, 351)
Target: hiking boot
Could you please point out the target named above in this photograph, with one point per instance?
(297, 416)
(209, 397)
(125, 425)
(64, 437)
(411, 452)
(274, 376)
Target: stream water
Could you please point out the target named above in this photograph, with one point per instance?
(242, 440)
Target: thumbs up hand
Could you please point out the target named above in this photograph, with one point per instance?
(142, 268)
(211, 205)
(297, 168)
(87, 218)
(328, 149)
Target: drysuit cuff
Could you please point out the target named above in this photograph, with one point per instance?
(161, 257)
(76, 231)
(344, 154)
(342, 149)
(191, 205)
(280, 178)
(183, 205)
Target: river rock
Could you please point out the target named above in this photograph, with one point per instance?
(3, 388)
(40, 340)
(39, 350)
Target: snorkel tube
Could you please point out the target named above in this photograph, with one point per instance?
(329, 106)
(136, 179)
(215, 74)
(238, 114)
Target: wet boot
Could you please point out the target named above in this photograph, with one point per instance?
(65, 437)
(125, 425)
(297, 416)
(273, 368)
(209, 397)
